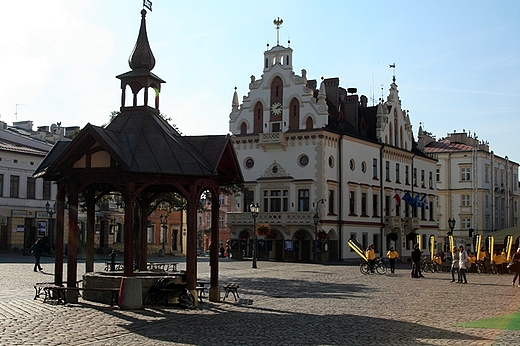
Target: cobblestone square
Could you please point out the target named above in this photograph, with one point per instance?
(280, 304)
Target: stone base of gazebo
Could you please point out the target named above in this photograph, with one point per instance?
(113, 280)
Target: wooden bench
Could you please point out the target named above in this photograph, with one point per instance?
(231, 288)
(59, 293)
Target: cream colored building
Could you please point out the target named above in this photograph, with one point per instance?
(476, 187)
(307, 148)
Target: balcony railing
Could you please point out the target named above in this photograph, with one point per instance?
(272, 218)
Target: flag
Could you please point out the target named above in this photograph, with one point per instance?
(417, 200)
(408, 199)
(147, 4)
(392, 65)
(425, 201)
(397, 199)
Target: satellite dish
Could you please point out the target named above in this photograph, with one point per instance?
(53, 128)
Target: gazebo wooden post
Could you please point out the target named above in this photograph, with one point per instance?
(143, 230)
(214, 291)
(91, 223)
(129, 230)
(72, 254)
(191, 243)
(60, 226)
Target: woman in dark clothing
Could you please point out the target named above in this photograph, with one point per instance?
(516, 266)
(37, 249)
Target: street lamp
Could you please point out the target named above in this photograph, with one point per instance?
(50, 211)
(254, 209)
(451, 225)
(164, 229)
(316, 219)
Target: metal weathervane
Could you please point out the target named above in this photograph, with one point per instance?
(147, 4)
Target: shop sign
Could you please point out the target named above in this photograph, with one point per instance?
(19, 213)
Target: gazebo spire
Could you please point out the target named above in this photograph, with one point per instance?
(142, 56)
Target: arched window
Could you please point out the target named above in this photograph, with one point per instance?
(258, 117)
(294, 114)
(309, 124)
(243, 129)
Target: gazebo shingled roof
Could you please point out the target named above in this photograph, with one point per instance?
(138, 154)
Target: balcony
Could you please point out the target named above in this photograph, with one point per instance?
(272, 139)
(411, 223)
(393, 222)
(272, 218)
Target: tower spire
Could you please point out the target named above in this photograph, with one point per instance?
(278, 22)
(142, 56)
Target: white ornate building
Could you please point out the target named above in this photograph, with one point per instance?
(475, 187)
(309, 149)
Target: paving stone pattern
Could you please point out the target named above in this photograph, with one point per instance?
(280, 304)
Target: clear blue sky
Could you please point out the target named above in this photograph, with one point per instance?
(457, 62)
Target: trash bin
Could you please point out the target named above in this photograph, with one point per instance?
(130, 293)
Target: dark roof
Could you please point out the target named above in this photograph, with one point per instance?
(141, 142)
(444, 145)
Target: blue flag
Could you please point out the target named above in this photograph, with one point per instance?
(417, 200)
(408, 199)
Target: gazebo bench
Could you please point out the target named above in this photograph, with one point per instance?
(231, 288)
(59, 293)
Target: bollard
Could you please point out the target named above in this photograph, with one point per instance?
(113, 260)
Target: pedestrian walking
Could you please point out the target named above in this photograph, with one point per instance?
(416, 259)
(36, 250)
(454, 264)
(515, 267)
(463, 265)
(392, 257)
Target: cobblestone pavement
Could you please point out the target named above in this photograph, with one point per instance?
(281, 304)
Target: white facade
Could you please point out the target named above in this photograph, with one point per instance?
(475, 187)
(305, 150)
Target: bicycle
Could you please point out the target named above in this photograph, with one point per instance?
(426, 266)
(379, 267)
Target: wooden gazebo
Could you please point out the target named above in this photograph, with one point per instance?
(140, 156)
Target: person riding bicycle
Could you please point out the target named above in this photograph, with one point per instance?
(481, 259)
(371, 257)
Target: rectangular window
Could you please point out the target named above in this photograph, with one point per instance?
(352, 202)
(31, 188)
(406, 210)
(276, 200)
(331, 202)
(1, 185)
(364, 204)
(465, 223)
(423, 212)
(303, 200)
(374, 168)
(249, 197)
(432, 207)
(375, 205)
(430, 180)
(46, 190)
(465, 200)
(486, 174)
(352, 236)
(397, 173)
(414, 178)
(364, 240)
(221, 199)
(465, 173)
(376, 242)
(422, 178)
(388, 207)
(220, 221)
(14, 186)
(387, 170)
(407, 175)
(151, 235)
(438, 174)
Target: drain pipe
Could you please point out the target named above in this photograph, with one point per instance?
(340, 199)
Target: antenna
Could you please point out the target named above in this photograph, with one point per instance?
(16, 111)
(278, 22)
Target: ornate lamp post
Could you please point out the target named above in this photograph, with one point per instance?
(316, 219)
(164, 230)
(451, 225)
(254, 209)
(50, 211)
